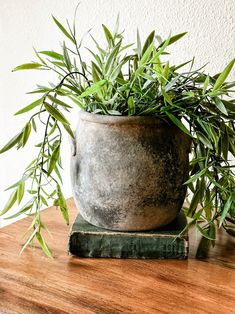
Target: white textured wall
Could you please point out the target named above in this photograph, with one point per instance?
(26, 23)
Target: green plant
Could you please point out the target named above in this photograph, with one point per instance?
(127, 80)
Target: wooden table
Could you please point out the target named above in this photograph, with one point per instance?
(32, 283)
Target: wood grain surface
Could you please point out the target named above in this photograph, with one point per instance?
(32, 283)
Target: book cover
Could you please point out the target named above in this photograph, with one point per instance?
(86, 240)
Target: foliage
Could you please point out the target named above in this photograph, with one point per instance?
(122, 79)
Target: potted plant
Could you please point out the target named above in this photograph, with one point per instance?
(140, 117)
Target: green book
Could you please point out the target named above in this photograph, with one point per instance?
(86, 240)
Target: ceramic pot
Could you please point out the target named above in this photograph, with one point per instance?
(128, 172)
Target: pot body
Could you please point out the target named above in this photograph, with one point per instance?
(128, 172)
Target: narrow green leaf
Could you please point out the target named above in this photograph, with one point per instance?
(178, 123)
(27, 66)
(39, 57)
(34, 125)
(94, 88)
(16, 139)
(56, 113)
(196, 176)
(219, 104)
(30, 239)
(20, 191)
(67, 58)
(58, 101)
(162, 47)
(64, 31)
(11, 201)
(17, 183)
(225, 210)
(53, 159)
(43, 245)
(202, 138)
(62, 204)
(30, 107)
(108, 35)
(165, 73)
(206, 84)
(68, 129)
(24, 209)
(194, 203)
(43, 200)
(27, 131)
(222, 77)
(225, 144)
(95, 75)
(77, 102)
(204, 233)
(58, 174)
(131, 106)
(116, 71)
(173, 39)
(52, 54)
(167, 97)
(146, 55)
(111, 57)
(148, 42)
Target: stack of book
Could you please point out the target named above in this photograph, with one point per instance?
(86, 240)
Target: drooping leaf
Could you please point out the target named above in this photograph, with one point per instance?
(24, 209)
(27, 131)
(28, 66)
(194, 203)
(56, 113)
(196, 176)
(43, 200)
(30, 107)
(34, 125)
(53, 159)
(11, 201)
(204, 232)
(226, 209)
(15, 140)
(58, 101)
(178, 123)
(219, 104)
(20, 191)
(62, 204)
(44, 245)
(204, 140)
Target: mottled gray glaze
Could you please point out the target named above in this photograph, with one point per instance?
(127, 172)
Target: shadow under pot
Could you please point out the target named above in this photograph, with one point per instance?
(128, 172)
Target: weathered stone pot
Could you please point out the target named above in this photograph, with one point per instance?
(128, 172)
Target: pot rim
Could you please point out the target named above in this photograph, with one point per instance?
(122, 120)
